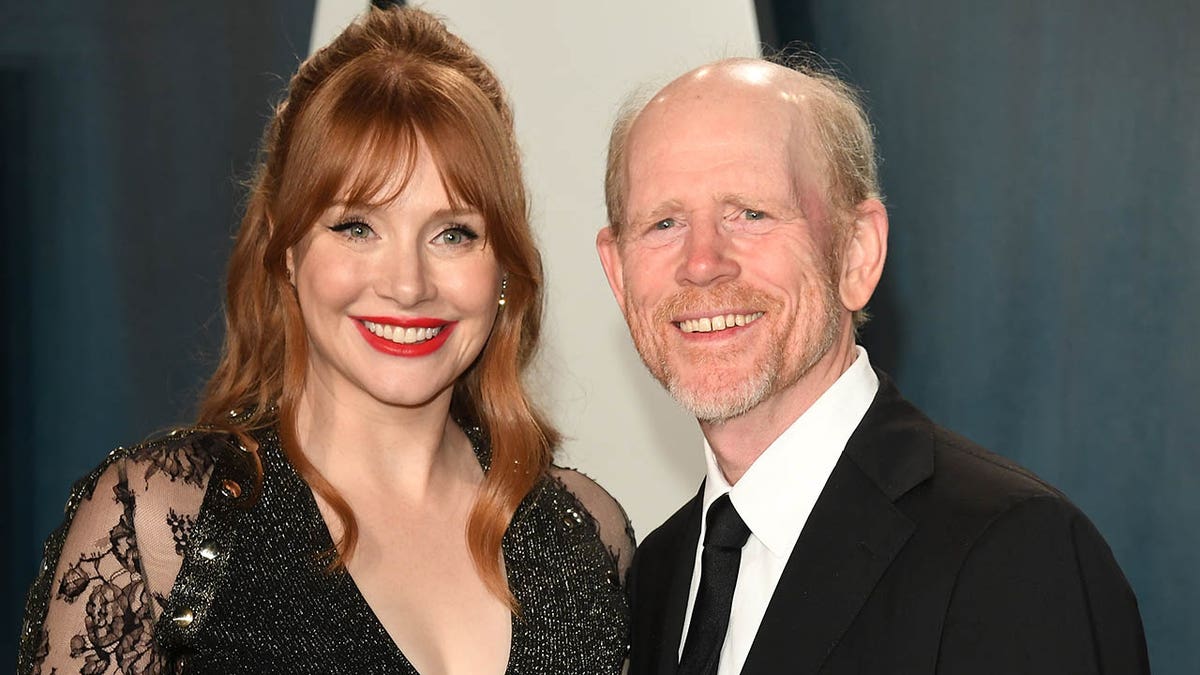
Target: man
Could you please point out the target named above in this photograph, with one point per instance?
(838, 529)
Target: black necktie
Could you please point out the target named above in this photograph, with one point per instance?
(724, 535)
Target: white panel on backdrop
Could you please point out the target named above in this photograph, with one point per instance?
(330, 17)
(567, 67)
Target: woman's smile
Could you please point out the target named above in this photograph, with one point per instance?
(405, 337)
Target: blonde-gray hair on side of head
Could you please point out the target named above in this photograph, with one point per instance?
(615, 179)
(844, 134)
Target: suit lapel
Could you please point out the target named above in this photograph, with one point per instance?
(659, 581)
(850, 538)
(847, 543)
(678, 584)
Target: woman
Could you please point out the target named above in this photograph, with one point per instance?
(368, 487)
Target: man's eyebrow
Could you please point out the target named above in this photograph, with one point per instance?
(746, 202)
(662, 211)
(743, 201)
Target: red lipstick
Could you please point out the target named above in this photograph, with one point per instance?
(386, 346)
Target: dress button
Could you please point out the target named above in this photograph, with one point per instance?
(231, 489)
(209, 551)
(183, 617)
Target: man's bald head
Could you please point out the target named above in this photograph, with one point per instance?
(819, 115)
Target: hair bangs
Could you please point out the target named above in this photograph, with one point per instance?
(355, 144)
(471, 146)
(358, 141)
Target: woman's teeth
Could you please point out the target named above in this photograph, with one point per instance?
(717, 323)
(400, 334)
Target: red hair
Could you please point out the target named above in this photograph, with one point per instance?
(354, 110)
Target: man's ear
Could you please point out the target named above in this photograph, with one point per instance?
(610, 258)
(863, 257)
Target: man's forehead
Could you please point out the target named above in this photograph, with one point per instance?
(734, 118)
(743, 79)
(743, 101)
(733, 128)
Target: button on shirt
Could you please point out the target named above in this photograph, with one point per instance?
(775, 497)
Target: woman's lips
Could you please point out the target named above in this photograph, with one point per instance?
(405, 337)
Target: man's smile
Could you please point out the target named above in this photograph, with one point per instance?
(719, 322)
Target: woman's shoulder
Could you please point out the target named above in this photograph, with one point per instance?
(121, 543)
(598, 501)
(146, 498)
(160, 482)
(183, 458)
(612, 524)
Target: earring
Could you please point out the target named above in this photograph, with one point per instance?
(503, 288)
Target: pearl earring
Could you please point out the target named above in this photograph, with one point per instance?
(503, 288)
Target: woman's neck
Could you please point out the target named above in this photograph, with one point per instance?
(357, 442)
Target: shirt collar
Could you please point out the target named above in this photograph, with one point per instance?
(776, 494)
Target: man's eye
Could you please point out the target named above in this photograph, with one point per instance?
(353, 229)
(752, 214)
(664, 224)
(456, 236)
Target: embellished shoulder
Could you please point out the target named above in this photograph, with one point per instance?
(611, 522)
(107, 570)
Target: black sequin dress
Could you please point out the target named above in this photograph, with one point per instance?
(169, 561)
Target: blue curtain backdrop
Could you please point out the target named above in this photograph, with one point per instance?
(126, 128)
(1041, 162)
(1042, 168)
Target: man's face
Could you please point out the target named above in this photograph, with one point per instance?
(726, 269)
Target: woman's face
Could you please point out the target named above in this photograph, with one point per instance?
(397, 300)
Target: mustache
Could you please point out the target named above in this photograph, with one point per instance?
(729, 296)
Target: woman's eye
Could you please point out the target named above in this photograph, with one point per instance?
(456, 236)
(354, 229)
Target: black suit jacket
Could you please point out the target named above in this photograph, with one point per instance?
(924, 554)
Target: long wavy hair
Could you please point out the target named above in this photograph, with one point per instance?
(352, 120)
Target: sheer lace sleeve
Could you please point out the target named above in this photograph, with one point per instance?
(615, 530)
(108, 569)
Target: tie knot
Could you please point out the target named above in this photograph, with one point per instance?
(723, 527)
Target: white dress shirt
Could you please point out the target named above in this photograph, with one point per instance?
(775, 496)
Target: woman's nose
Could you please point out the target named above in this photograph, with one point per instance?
(404, 275)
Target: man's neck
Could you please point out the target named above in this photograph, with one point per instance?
(738, 442)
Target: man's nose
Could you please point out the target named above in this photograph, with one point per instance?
(707, 256)
(404, 276)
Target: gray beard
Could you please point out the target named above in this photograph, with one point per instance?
(768, 377)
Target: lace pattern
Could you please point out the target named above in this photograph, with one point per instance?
(118, 571)
(91, 606)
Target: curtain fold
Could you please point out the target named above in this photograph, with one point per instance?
(1041, 164)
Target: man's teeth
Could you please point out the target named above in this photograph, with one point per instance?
(400, 334)
(717, 323)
